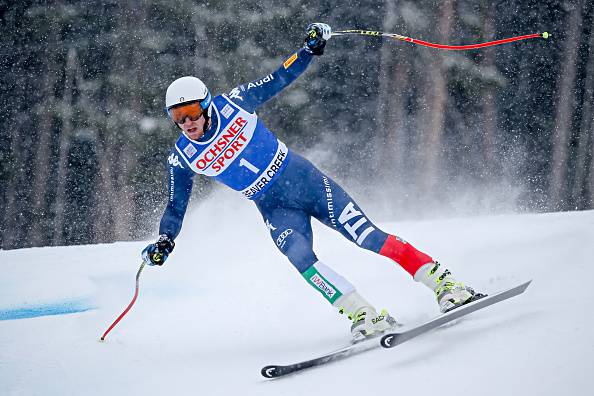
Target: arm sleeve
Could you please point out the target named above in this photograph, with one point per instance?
(180, 189)
(252, 95)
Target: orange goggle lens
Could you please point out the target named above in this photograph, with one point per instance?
(193, 111)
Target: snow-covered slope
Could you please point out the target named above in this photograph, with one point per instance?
(227, 303)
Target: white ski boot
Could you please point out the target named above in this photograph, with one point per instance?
(450, 293)
(366, 322)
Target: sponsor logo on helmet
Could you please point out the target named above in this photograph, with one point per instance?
(281, 240)
(181, 99)
(174, 161)
(323, 285)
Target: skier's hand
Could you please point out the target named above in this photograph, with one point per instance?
(156, 253)
(317, 35)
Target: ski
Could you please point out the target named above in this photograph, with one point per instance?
(275, 371)
(396, 338)
(392, 339)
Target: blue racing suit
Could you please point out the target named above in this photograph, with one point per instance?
(239, 151)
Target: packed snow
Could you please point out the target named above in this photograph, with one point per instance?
(227, 303)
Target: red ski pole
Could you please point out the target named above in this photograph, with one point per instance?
(129, 305)
(374, 33)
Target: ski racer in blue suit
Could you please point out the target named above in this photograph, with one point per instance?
(222, 137)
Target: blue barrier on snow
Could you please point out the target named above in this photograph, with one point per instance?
(58, 308)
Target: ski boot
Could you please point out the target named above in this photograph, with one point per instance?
(366, 321)
(450, 293)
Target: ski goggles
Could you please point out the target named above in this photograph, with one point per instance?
(193, 111)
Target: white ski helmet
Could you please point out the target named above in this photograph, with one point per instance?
(187, 89)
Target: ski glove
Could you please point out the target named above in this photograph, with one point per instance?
(156, 253)
(317, 35)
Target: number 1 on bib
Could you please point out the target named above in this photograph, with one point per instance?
(249, 165)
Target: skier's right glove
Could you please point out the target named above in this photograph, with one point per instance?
(317, 35)
(156, 253)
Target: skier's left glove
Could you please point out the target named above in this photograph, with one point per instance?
(317, 35)
(156, 253)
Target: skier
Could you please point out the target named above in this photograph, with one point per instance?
(222, 137)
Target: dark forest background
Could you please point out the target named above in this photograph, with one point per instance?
(84, 138)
